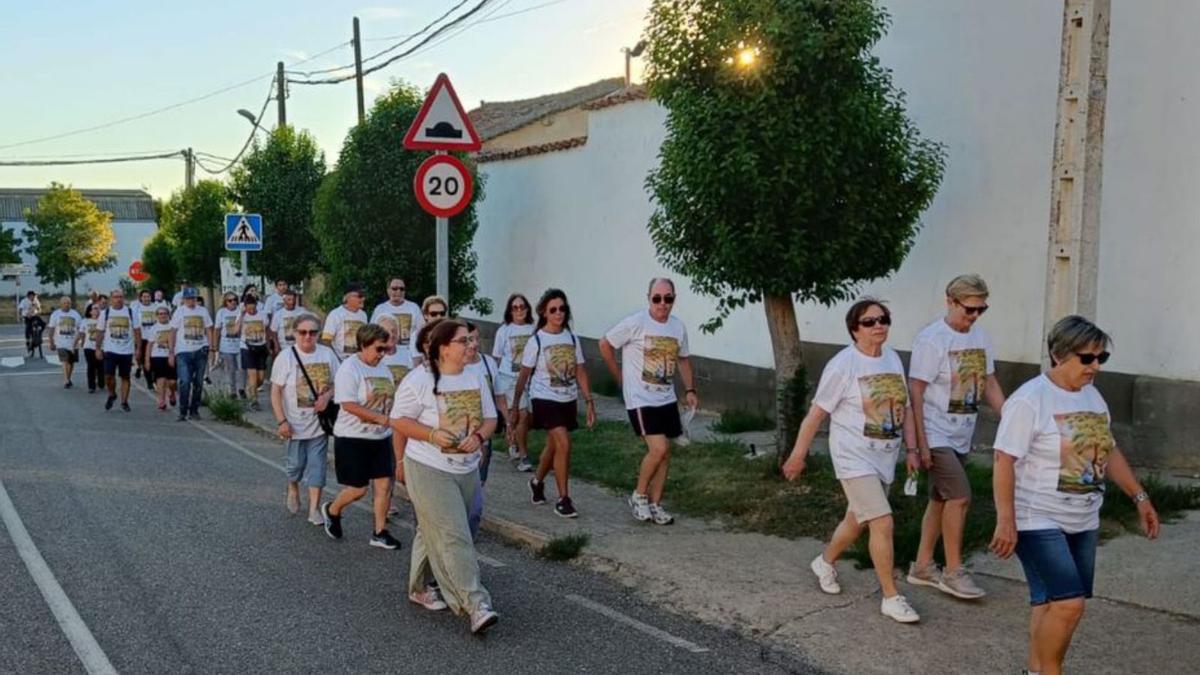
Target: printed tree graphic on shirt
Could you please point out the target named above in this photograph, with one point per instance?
(66, 326)
(148, 316)
(118, 329)
(968, 374)
(1086, 443)
(883, 399)
(255, 330)
(398, 372)
(193, 328)
(93, 329)
(560, 365)
(320, 376)
(460, 412)
(518, 343)
(231, 330)
(162, 339)
(380, 391)
(350, 336)
(404, 323)
(287, 325)
(659, 354)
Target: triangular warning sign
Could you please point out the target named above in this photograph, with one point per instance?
(243, 233)
(442, 124)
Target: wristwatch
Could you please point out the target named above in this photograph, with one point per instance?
(1140, 496)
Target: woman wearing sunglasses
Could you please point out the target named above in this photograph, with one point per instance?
(863, 392)
(508, 346)
(1054, 450)
(951, 371)
(229, 346)
(552, 366)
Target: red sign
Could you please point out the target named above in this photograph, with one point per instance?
(443, 185)
(136, 272)
(442, 123)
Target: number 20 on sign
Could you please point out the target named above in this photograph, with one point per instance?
(443, 186)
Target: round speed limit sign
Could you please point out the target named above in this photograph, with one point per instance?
(443, 185)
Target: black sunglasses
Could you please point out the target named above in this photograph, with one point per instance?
(397, 288)
(980, 309)
(307, 332)
(1087, 359)
(560, 309)
(884, 320)
(436, 315)
(657, 299)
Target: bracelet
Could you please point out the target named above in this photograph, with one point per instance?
(282, 422)
(431, 433)
(1140, 496)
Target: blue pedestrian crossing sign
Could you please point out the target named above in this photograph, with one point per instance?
(243, 232)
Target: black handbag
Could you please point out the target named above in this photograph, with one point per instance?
(327, 417)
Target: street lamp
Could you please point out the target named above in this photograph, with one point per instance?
(631, 54)
(250, 116)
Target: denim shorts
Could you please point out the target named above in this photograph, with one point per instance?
(1058, 566)
(306, 460)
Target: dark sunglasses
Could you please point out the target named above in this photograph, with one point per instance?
(657, 299)
(1087, 359)
(307, 332)
(972, 310)
(884, 320)
(397, 288)
(560, 309)
(379, 349)
(438, 314)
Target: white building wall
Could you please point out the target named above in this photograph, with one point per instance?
(980, 77)
(131, 237)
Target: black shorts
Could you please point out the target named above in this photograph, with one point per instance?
(359, 460)
(118, 364)
(255, 358)
(660, 420)
(68, 356)
(161, 369)
(553, 414)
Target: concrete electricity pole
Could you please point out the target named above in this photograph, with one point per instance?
(1073, 254)
(281, 93)
(189, 169)
(358, 74)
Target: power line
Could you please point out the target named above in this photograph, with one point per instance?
(94, 160)
(249, 139)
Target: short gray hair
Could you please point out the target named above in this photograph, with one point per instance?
(305, 318)
(966, 286)
(1072, 334)
(655, 280)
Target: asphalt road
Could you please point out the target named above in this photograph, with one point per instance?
(172, 548)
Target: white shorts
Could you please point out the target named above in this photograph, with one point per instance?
(506, 386)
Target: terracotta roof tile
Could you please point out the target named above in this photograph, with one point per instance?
(492, 119)
(516, 153)
(626, 94)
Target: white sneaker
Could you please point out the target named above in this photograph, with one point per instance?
(897, 608)
(826, 575)
(430, 598)
(640, 506)
(660, 515)
(483, 618)
(316, 519)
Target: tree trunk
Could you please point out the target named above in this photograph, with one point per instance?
(785, 345)
(72, 287)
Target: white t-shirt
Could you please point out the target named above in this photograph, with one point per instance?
(462, 403)
(65, 325)
(509, 345)
(485, 368)
(1062, 442)
(254, 330)
(955, 366)
(408, 316)
(230, 339)
(283, 322)
(398, 363)
(865, 397)
(119, 325)
(649, 353)
(298, 401)
(177, 299)
(159, 337)
(271, 305)
(91, 330)
(191, 329)
(370, 387)
(340, 328)
(553, 376)
(146, 314)
(25, 308)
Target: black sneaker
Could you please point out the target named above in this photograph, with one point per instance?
(91, 390)
(242, 394)
(125, 407)
(109, 403)
(537, 491)
(384, 539)
(137, 374)
(565, 508)
(68, 385)
(333, 524)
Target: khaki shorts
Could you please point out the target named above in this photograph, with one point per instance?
(948, 475)
(867, 497)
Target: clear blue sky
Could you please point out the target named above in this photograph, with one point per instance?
(86, 62)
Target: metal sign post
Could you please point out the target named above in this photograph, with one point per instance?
(443, 252)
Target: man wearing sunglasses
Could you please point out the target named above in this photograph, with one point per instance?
(653, 345)
(342, 324)
(951, 371)
(407, 313)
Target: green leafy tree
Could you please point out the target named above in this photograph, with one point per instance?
(790, 170)
(158, 261)
(10, 246)
(279, 181)
(369, 225)
(69, 235)
(194, 223)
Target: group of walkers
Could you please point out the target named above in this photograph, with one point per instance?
(409, 398)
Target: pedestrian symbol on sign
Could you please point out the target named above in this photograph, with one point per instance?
(243, 232)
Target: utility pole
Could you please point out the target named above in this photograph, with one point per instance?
(358, 76)
(1073, 252)
(281, 93)
(189, 169)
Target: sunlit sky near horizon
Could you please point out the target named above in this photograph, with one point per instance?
(82, 63)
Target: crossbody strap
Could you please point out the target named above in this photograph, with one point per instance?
(304, 372)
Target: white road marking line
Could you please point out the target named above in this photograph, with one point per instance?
(635, 624)
(27, 373)
(86, 648)
(487, 560)
(12, 361)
